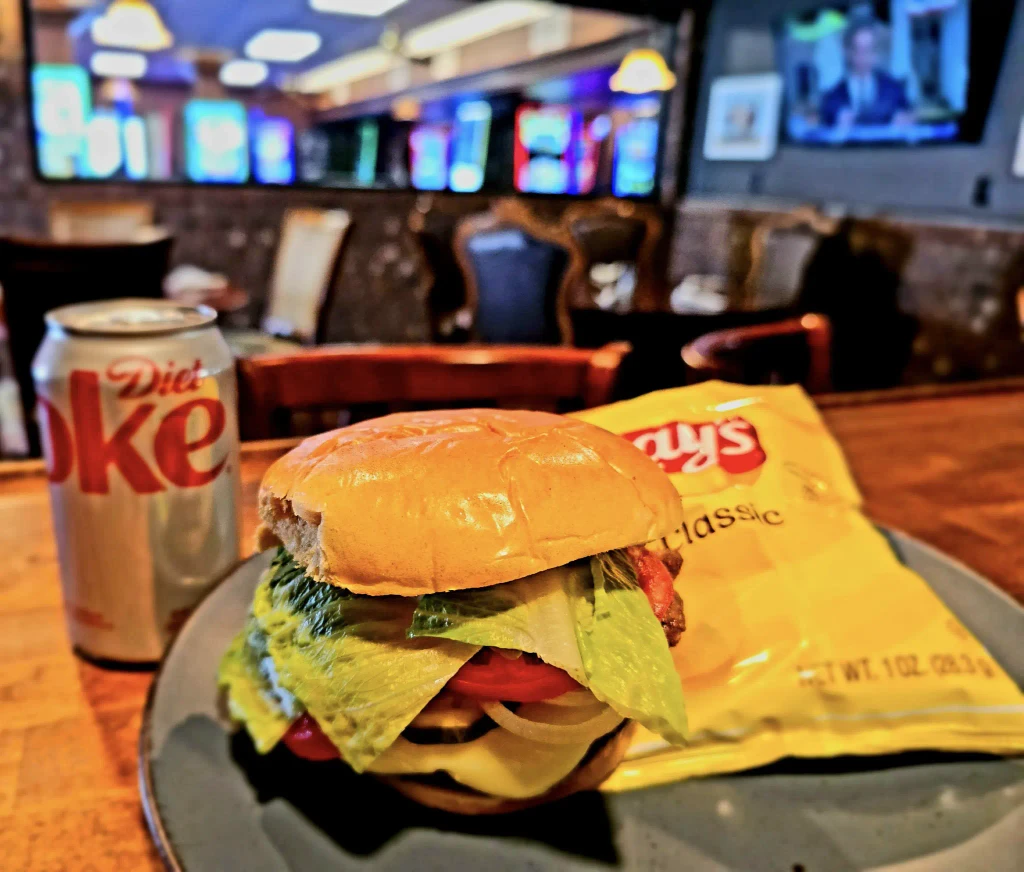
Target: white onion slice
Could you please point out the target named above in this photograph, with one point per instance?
(553, 734)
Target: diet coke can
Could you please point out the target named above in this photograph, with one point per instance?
(139, 422)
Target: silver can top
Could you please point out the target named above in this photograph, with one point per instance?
(130, 317)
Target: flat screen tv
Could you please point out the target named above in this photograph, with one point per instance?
(380, 94)
(891, 72)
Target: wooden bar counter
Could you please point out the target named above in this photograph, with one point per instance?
(945, 466)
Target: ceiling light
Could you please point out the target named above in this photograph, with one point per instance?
(366, 8)
(283, 46)
(131, 24)
(643, 71)
(119, 64)
(350, 68)
(469, 25)
(240, 73)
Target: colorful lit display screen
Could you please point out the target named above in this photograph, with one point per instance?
(313, 150)
(104, 150)
(462, 96)
(588, 151)
(273, 150)
(545, 162)
(469, 146)
(636, 158)
(61, 109)
(366, 160)
(428, 156)
(160, 145)
(111, 111)
(216, 141)
(876, 72)
(136, 148)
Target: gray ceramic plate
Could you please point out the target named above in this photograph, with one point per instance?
(212, 804)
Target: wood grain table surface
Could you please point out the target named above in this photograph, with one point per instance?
(948, 468)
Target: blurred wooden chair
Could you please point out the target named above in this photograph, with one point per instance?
(274, 390)
(795, 351)
(307, 262)
(618, 241)
(114, 221)
(308, 257)
(443, 285)
(515, 268)
(40, 275)
(781, 248)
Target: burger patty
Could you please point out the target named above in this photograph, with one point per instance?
(673, 561)
(674, 623)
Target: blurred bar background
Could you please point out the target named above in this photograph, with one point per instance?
(825, 192)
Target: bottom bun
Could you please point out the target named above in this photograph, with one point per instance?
(586, 777)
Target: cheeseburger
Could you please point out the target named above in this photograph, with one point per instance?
(461, 603)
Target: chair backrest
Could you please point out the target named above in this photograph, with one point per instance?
(37, 276)
(616, 232)
(308, 259)
(99, 222)
(781, 247)
(795, 351)
(444, 286)
(515, 268)
(273, 387)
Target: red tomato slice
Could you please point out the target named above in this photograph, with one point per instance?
(305, 739)
(491, 676)
(654, 579)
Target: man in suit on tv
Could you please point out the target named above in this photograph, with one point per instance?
(866, 95)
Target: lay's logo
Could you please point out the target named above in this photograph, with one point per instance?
(731, 444)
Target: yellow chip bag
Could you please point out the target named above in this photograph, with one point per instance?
(805, 635)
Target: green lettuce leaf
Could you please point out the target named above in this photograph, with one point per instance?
(594, 621)
(347, 658)
(253, 700)
(627, 660)
(531, 614)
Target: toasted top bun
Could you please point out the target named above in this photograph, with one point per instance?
(421, 502)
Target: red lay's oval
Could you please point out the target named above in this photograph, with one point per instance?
(685, 447)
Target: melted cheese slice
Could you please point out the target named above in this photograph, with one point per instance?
(498, 763)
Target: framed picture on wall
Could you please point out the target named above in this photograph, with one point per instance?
(743, 118)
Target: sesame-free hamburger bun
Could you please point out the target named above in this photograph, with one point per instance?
(421, 502)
